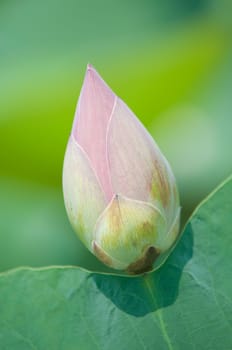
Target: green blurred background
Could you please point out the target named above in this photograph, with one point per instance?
(169, 60)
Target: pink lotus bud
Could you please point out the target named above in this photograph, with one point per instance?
(120, 193)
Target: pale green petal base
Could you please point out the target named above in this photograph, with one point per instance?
(126, 234)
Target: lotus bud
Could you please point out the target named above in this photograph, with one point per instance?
(120, 193)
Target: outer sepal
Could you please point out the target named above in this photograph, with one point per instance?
(83, 196)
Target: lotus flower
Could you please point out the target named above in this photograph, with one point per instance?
(120, 193)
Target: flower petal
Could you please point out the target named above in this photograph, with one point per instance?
(166, 241)
(138, 169)
(90, 124)
(125, 231)
(84, 198)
